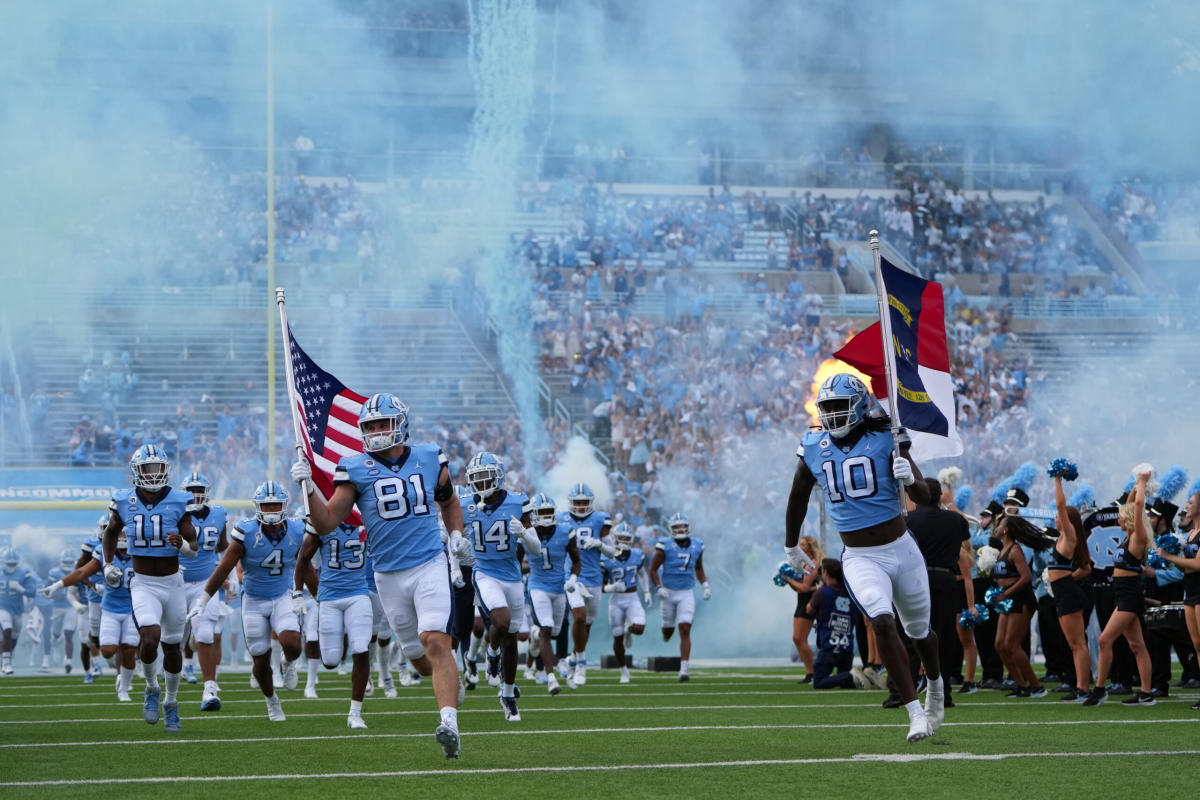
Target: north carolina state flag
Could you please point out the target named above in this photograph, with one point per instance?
(926, 403)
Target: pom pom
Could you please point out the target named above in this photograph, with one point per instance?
(963, 497)
(967, 620)
(992, 595)
(1084, 497)
(1004, 606)
(1169, 543)
(1171, 483)
(1024, 477)
(1001, 491)
(1194, 488)
(1156, 561)
(1151, 484)
(983, 612)
(986, 559)
(1061, 467)
(950, 476)
(779, 581)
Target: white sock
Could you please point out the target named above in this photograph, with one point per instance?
(683, 666)
(450, 716)
(126, 678)
(312, 672)
(914, 709)
(276, 656)
(356, 708)
(151, 675)
(272, 696)
(476, 645)
(493, 652)
(506, 690)
(372, 653)
(580, 658)
(935, 686)
(384, 652)
(172, 681)
(189, 662)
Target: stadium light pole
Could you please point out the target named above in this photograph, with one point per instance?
(270, 241)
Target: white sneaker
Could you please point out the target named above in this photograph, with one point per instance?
(406, 678)
(122, 695)
(861, 681)
(370, 690)
(389, 691)
(275, 710)
(918, 727)
(310, 693)
(624, 675)
(289, 676)
(552, 684)
(343, 669)
(355, 721)
(447, 737)
(571, 684)
(935, 708)
(580, 673)
(529, 674)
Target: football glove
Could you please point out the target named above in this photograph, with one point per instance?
(616, 587)
(297, 602)
(301, 471)
(591, 543)
(458, 544)
(112, 575)
(198, 606)
(707, 590)
(49, 589)
(663, 592)
(902, 471)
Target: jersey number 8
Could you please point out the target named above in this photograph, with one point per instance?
(391, 497)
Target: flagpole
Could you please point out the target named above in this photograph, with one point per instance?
(291, 387)
(271, 243)
(889, 354)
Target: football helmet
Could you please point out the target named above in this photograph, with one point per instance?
(150, 467)
(581, 499)
(9, 559)
(270, 493)
(623, 536)
(198, 486)
(542, 511)
(842, 402)
(679, 526)
(385, 407)
(66, 559)
(103, 523)
(485, 474)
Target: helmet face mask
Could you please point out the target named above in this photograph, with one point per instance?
(383, 423)
(623, 536)
(270, 503)
(9, 560)
(66, 560)
(485, 474)
(542, 512)
(842, 403)
(680, 527)
(150, 468)
(197, 485)
(581, 499)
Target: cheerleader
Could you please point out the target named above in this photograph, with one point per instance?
(1189, 561)
(802, 619)
(1015, 577)
(1126, 619)
(1068, 565)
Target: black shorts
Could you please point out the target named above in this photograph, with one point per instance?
(802, 599)
(1068, 595)
(1128, 594)
(1024, 599)
(1191, 588)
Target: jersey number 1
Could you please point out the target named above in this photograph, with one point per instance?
(858, 479)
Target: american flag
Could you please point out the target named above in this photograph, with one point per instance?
(328, 418)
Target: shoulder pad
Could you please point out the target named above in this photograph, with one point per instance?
(660, 545)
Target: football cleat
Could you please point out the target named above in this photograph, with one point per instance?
(493, 669)
(355, 722)
(918, 727)
(624, 675)
(581, 672)
(123, 695)
(861, 681)
(935, 709)
(275, 710)
(541, 678)
(189, 674)
(447, 737)
(968, 687)
(150, 701)
(171, 717)
(529, 674)
(210, 703)
(6, 667)
(88, 677)
(389, 691)
(310, 693)
(472, 674)
(370, 690)
(683, 677)
(290, 681)
(509, 704)
(565, 668)
(552, 684)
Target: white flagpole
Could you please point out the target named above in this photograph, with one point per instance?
(291, 386)
(889, 354)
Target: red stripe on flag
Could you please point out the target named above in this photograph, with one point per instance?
(344, 440)
(864, 352)
(931, 330)
(348, 417)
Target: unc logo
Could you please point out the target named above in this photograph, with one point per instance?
(842, 604)
(824, 443)
(856, 384)
(368, 463)
(132, 500)
(471, 508)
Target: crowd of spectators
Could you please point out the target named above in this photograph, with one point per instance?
(1143, 211)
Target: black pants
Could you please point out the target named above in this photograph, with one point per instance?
(943, 610)
(860, 633)
(832, 670)
(1122, 669)
(992, 668)
(1054, 643)
(564, 635)
(464, 611)
(1160, 641)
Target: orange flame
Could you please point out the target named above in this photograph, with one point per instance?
(825, 370)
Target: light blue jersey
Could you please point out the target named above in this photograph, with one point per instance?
(208, 537)
(342, 569)
(859, 488)
(117, 601)
(60, 595)
(490, 532)
(91, 547)
(268, 564)
(626, 569)
(146, 527)
(395, 500)
(548, 569)
(15, 586)
(593, 526)
(678, 569)
(370, 570)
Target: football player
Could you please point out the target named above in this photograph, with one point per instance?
(89, 645)
(399, 489)
(118, 634)
(591, 530)
(624, 574)
(495, 520)
(343, 605)
(468, 621)
(64, 619)
(851, 456)
(266, 546)
(205, 630)
(16, 584)
(681, 559)
(157, 530)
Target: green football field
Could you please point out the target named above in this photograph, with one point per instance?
(726, 733)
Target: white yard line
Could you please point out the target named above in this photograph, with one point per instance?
(861, 758)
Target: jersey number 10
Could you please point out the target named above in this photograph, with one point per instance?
(858, 479)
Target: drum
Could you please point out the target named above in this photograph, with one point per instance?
(1168, 616)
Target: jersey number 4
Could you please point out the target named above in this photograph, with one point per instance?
(496, 535)
(273, 563)
(857, 479)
